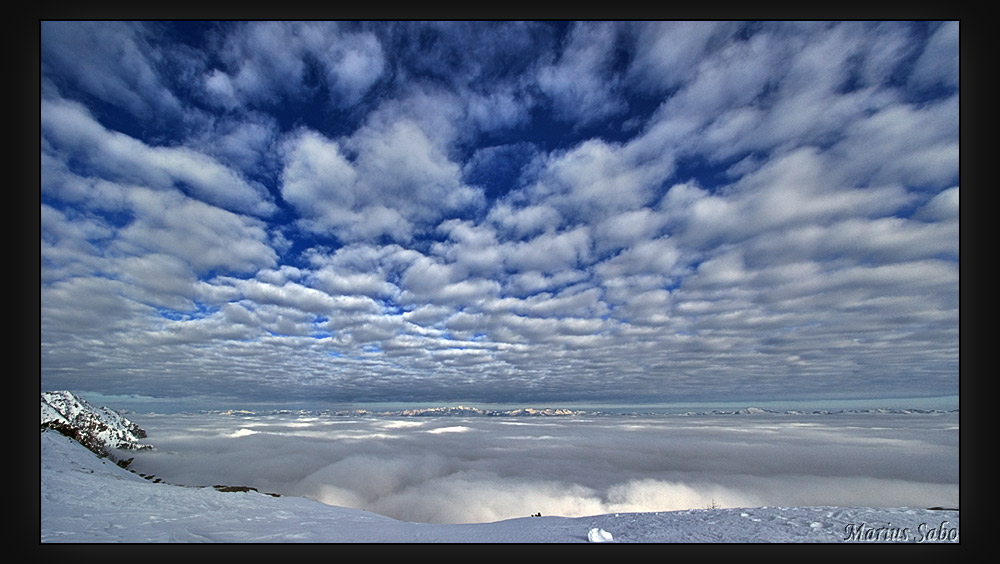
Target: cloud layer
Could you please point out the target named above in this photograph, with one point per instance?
(446, 470)
(500, 211)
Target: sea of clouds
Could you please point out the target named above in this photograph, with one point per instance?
(477, 469)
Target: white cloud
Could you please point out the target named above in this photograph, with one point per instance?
(76, 135)
(532, 281)
(70, 245)
(628, 228)
(939, 62)
(267, 61)
(398, 182)
(220, 89)
(913, 145)
(732, 77)
(942, 207)
(115, 61)
(159, 280)
(399, 160)
(427, 281)
(525, 221)
(106, 312)
(650, 256)
(336, 282)
(317, 178)
(804, 186)
(551, 251)
(596, 179)
(289, 294)
(204, 236)
(668, 53)
(246, 143)
(353, 63)
(785, 86)
(886, 240)
(727, 270)
(498, 110)
(697, 218)
(581, 82)
(491, 469)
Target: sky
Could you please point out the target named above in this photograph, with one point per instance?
(499, 212)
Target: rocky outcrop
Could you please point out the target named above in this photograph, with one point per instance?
(100, 429)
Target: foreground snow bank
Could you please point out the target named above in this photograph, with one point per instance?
(88, 499)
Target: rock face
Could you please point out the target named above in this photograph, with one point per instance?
(100, 429)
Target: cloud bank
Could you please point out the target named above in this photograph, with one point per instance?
(447, 470)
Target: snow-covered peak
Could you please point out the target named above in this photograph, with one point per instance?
(97, 428)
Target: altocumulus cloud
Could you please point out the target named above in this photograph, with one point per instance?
(500, 211)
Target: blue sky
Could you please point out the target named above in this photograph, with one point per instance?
(500, 212)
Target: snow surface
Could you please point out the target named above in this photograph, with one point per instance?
(87, 499)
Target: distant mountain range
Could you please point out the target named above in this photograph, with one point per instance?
(464, 411)
(460, 411)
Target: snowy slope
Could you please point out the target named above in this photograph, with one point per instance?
(87, 499)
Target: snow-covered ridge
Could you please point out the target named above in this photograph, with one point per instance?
(100, 429)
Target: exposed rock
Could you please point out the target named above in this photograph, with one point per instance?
(100, 429)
